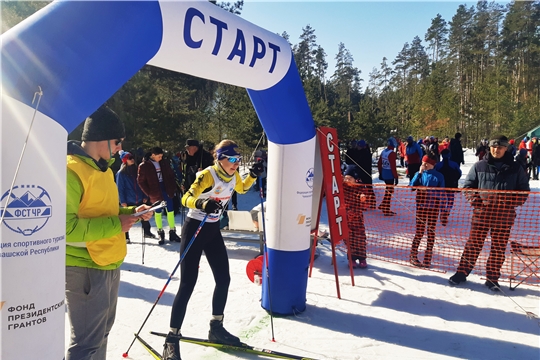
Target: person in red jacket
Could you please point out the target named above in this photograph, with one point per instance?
(356, 203)
(388, 174)
(156, 179)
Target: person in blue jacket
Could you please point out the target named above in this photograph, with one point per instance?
(428, 203)
(452, 173)
(129, 191)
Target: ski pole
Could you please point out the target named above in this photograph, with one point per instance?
(167, 283)
(266, 258)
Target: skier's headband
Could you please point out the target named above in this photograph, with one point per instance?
(427, 159)
(229, 151)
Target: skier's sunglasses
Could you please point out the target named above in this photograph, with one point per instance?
(233, 159)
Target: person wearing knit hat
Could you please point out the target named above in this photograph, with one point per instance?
(95, 240)
(428, 203)
(356, 201)
(493, 212)
(129, 190)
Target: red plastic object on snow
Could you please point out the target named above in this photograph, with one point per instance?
(254, 269)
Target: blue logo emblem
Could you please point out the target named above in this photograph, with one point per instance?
(309, 178)
(27, 210)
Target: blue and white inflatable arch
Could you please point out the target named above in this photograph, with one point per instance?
(68, 59)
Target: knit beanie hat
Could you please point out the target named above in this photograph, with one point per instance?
(499, 140)
(103, 124)
(125, 156)
(353, 171)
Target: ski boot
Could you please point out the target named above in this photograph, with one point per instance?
(161, 235)
(171, 348)
(219, 335)
(173, 236)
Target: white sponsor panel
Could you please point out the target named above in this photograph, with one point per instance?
(290, 195)
(203, 40)
(32, 235)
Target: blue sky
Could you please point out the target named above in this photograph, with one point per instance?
(370, 30)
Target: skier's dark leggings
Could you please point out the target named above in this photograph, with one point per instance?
(211, 242)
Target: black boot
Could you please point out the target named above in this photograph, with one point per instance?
(128, 241)
(413, 258)
(173, 236)
(171, 349)
(161, 235)
(219, 335)
(146, 228)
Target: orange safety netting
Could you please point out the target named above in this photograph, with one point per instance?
(444, 229)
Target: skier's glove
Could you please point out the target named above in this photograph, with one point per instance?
(256, 169)
(396, 181)
(209, 206)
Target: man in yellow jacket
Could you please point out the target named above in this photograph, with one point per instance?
(95, 234)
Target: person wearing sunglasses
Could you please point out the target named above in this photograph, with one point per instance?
(95, 240)
(206, 198)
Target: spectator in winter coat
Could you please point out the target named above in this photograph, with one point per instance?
(451, 173)
(95, 240)
(355, 202)
(129, 191)
(156, 179)
(428, 203)
(522, 158)
(388, 174)
(195, 159)
(511, 148)
(351, 153)
(402, 153)
(482, 149)
(456, 150)
(493, 212)
(364, 162)
(536, 159)
(414, 157)
(445, 144)
(523, 143)
(533, 170)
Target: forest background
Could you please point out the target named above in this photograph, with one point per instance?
(478, 73)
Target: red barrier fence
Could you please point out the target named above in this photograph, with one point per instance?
(455, 220)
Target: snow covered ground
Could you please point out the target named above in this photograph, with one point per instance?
(393, 311)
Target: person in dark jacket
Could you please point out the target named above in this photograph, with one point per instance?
(156, 179)
(482, 149)
(388, 174)
(428, 203)
(536, 158)
(365, 162)
(452, 173)
(129, 191)
(195, 159)
(493, 212)
(414, 155)
(522, 158)
(456, 150)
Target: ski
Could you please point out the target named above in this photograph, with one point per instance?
(149, 348)
(243, 347)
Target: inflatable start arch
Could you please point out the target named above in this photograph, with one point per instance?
(60, 65)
